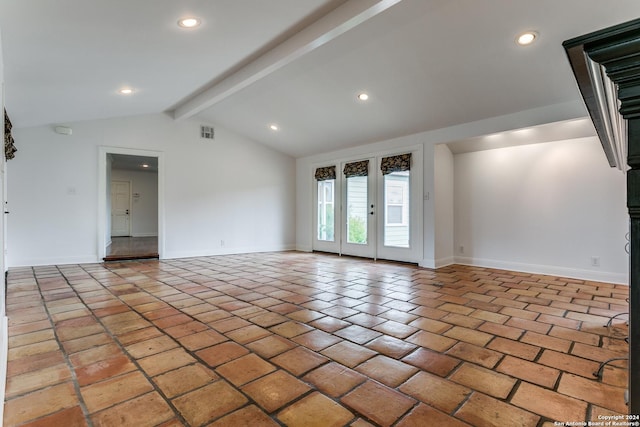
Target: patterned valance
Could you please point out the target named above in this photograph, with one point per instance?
(9, 147)
(356, 169)
(326, 173)
(399, 163)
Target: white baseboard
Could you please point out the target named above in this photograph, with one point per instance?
(443, 262)
(436, 263)
(427, 263)
(144, 234)
(593, 275)
(4, 353)
(227, 251)
(32, 262)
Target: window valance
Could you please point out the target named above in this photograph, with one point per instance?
(356, 169)
(398, 163)
(9, 146)
(326, 173)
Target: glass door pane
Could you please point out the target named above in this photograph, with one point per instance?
(396, 210)
(357, 214)
(326, 210)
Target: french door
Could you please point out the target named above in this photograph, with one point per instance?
(366, 209)
(359, 209)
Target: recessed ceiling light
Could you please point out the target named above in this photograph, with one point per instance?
(527, 38)
(363, 96)
(273, 127)
(189, 22)
(126, 91)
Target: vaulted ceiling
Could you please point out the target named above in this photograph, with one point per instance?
(297, 64)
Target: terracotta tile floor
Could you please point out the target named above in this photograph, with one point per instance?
(301, 339)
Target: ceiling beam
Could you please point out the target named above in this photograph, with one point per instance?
(327, 28)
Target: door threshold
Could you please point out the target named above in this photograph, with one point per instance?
(130, 257)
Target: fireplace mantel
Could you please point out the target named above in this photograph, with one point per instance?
(606, 65)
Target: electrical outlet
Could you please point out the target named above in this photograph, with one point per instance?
(595, 261)
(222, 243)
(461, 249)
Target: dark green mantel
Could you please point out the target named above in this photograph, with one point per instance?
(617, 49)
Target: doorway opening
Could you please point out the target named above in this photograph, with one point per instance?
(130, 205)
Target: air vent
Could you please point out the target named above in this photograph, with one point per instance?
(207, 132)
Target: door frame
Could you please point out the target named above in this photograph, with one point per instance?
(325, 245)
(414, 253)
(104, 187)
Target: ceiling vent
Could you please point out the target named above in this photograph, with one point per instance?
(207, 132)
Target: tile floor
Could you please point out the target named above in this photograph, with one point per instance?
(299, 339)
(131, 248)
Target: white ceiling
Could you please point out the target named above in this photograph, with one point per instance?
(134, 163)
(427, 64)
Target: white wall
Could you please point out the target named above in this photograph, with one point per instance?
(521, 119)
(229, 189)
(4, 331)
(443, 205)
(546, 208)
(144, 206)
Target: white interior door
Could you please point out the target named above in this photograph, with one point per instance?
(120, 208)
